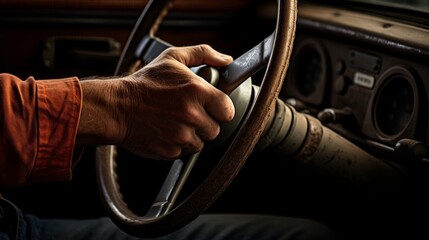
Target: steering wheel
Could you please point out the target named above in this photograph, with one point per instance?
(165, 216)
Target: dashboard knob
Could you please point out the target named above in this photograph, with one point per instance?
(342, 84)
(411, 149)
(332, 115)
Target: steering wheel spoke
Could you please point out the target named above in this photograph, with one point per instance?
(173, 184)
(246, 65)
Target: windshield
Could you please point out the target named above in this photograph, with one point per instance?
(415, 5)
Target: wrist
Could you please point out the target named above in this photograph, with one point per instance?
(100, 117)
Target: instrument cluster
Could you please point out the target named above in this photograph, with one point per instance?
(371, 95)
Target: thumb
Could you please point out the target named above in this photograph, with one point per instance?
(198, 55)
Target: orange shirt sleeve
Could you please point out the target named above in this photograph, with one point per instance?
(38, 127)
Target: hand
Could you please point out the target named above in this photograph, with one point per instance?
(161, 111)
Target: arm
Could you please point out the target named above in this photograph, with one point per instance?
(162, 111)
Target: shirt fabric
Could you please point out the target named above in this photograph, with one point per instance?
(38, 128)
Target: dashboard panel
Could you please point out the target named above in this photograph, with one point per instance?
(364, 76)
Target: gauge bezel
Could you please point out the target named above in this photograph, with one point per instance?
(386, 78)
(292, 87)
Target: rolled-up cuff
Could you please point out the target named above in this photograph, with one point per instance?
(59, 106)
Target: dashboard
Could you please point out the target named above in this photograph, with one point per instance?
(365, 77)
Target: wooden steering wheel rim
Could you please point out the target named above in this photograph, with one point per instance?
(234, 157)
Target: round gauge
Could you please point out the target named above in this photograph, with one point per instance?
(309, 71)
(394, 105)
(308, 74)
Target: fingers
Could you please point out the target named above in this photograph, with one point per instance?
(177, 145)
(217, 104)
(180, 126)
(220, 106)
(206, 127)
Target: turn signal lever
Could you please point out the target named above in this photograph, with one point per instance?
(412, 149)
(303, 139)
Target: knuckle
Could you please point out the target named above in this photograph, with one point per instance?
(188, 141)
(181, 137)
(204, 47)
(172, 153)
(170, 51)
(196, 147)
(213, 133)
(191, 115)
(195, 86)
